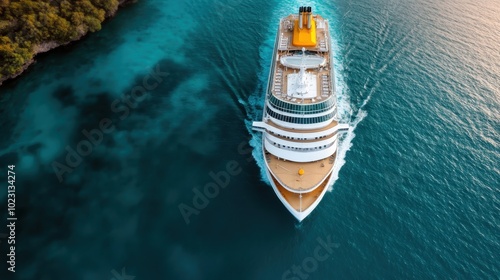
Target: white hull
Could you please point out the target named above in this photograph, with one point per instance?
(300, 215)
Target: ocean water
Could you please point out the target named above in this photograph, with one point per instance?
(417, 195)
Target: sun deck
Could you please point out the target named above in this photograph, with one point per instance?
(289, 58)
(281, 85)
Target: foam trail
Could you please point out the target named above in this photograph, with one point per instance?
(345, 142)
(344, 105)
(256, 100)
(345, 145)
(256, 144)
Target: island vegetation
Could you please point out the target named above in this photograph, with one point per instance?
(28, 27)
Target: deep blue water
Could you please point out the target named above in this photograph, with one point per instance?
(417, 196)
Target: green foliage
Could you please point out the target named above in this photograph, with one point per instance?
(77, 18)
(92, 23)
(27, 23)
(109, 6)
(13, 56)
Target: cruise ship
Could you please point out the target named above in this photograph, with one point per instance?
(300, 127)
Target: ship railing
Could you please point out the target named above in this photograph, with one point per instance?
(273, 63)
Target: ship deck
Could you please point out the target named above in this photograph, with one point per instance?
(280, 85)
(323, 78)
(288, 171)
(301, 202)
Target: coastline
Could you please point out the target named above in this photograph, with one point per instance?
(50, 45)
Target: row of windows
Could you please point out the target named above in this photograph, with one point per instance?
(300, 149)
(301, 108)
(298, 138)
(298, 120)
(288, 137)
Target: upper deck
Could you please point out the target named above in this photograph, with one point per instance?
(302, 70)
(290, 23)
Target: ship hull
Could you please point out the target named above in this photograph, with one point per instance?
(279, 190)
(300, 127)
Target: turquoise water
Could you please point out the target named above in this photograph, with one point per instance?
(417, 195)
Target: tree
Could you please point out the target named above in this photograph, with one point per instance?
(27, 23)
(13, 55)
